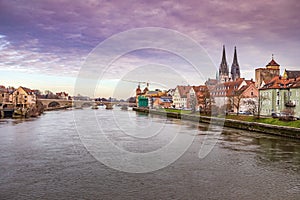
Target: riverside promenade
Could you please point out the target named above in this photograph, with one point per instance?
(284, 131)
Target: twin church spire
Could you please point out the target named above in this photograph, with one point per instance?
(224, 70)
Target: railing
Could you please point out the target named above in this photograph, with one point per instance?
(290, 104)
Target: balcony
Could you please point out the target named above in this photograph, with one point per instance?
(290, 104)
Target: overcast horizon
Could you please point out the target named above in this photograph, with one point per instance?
(43, 44)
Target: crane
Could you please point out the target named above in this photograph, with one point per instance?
(139, 82)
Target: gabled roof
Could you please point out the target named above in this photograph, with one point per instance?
(27, 90)
(183, 90)
(171, 90)
(242, 89)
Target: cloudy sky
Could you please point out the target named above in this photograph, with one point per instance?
(44, 44)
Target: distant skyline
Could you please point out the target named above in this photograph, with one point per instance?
(43, 44)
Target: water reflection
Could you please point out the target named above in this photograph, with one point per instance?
(141, 114)
(201, 127)
(268, 149)
(44, 158)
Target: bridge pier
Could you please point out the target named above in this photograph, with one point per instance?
(109, 106)
(78, 104)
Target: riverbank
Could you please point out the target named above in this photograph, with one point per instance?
(57, 108)
(284, 131)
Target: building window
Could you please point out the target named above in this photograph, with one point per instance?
(278, 102)
(251, 93)
(278, 93)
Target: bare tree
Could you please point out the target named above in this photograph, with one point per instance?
(206, 101)
(261, 100)
(251, 105)
(193, 103)
(235, 101)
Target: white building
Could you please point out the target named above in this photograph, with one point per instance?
(181, 96)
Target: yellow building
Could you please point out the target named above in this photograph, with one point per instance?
(23, 97)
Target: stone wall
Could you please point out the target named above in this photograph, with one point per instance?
(249, 126)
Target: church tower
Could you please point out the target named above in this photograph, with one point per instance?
(223, 69)
(235, 68)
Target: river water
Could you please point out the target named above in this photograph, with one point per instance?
(45, 158)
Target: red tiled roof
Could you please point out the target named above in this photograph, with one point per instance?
(200, 90)
(272, 63)
(277, 83)
(228, 88)
(183, 90)
(250, 82)
(243, 88)
(296, 83)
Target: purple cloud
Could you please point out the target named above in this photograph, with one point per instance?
(51, 36)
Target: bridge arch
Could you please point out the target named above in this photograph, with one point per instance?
(54, 104)
(86, 104)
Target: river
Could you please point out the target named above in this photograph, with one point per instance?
(45, 158)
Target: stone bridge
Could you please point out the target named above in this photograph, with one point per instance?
(63, 103)
(51, 103)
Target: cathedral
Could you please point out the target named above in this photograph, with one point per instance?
(224, 75)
